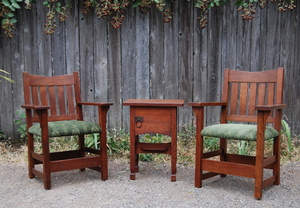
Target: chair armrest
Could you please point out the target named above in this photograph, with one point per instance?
(35, 107)
(270, 107)
(201, 104)
(95, 104)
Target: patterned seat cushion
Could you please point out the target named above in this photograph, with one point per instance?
(237, 131)
(67, 128)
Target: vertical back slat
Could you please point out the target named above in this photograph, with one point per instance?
(35, 95)
(43, 95)
(26, 88)
(234, 98)
(70, 99)
(243, 98)
(252, 98)
(261, 94)
(61, 100)
(225, 91)
(52, 100)
(279, 86)
(271, 91)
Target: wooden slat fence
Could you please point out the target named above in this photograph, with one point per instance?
(147, 58)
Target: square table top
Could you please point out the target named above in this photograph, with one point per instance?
(153, 102)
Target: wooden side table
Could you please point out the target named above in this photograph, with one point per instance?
(153, 116)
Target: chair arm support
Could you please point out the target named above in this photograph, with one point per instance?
(263, 112)
(95, 104)
(42, 113)
(198, 108)
(202, 104)
(270, 107)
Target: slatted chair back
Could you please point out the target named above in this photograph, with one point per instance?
(61, 93)
(245, 90)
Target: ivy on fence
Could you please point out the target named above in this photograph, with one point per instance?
(59, 10)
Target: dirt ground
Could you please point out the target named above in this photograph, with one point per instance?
(152, 188)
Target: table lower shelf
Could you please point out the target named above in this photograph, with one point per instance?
(164, 148)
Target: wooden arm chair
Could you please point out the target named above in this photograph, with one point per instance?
(251, 101)
(54, 109)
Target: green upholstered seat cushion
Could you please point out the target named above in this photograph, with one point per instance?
(237, 131)
(67, 128)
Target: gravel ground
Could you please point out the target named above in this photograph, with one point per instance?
(152, 188)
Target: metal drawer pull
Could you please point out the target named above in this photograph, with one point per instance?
(138, 121)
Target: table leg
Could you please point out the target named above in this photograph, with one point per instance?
(173, 159)
(134, 157)
(136, 162)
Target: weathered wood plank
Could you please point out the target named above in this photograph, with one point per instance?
(142, 59)
(17, 66)
(185, 57)
(101, 70)
(128, 61)
(72, 39)
(44, 55)
(86, 59)
(214, 70)
(156, 56)
(115, 75)
(170, 56)
(6, 101)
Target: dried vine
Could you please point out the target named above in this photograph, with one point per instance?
(116, 9)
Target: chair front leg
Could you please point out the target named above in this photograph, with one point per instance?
(103, 154)
(223, 147)
(43, 117)
(30, 147)
(30, 143)
(260, 145)
(102, 113)
(81, 148)
(199, 115)
(276, 147)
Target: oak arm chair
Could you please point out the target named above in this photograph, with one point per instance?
(251, 101)
(53, 108)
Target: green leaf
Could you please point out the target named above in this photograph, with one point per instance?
(12, 8)
(10, 14)
(136, 3)
(46, 3)
(1, 70)
(58, 9)
(8, 79)
(13, 21)
(6, 3)
(245, 4)
(197, 4)
(16, 5)
(238, 3)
